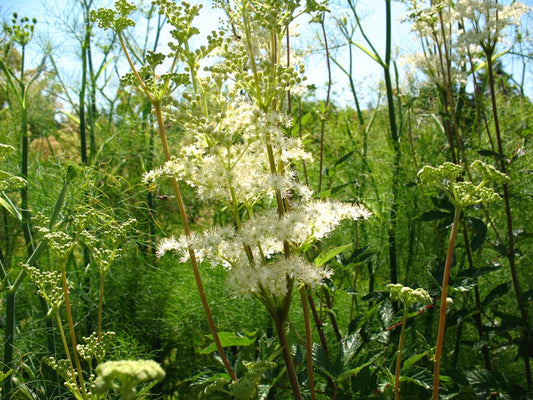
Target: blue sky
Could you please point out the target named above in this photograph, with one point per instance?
(366, 71)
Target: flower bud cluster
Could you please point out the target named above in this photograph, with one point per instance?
(462, 193)
(49, 285)
(408, 296)
(95, 348)
(7, 180)
(126, 375)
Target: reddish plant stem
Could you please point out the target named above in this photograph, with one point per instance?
(444, 296)
(156, 105)
(399, 357)
(192, 255)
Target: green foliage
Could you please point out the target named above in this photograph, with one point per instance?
(94, 230)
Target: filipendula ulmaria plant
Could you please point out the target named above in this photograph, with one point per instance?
(236, 153)
(462, 193)
(240, 156)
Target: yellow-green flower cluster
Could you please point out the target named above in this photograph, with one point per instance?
(49, 285)
(125, 375)
(9, 181)
(408, 296)
(461, 192)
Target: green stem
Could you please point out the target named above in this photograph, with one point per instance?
(326, 105)
(100, 304)
(71, 328)
(67, 351)
(399, 356)
(444, 296)
(308, 341)
(511, 255)
(280, 317)
(192, 255)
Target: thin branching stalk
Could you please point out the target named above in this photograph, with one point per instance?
(326, 103)
(399, 355)
(511, 255)
(156, 105)
(395, 138)
(100, 304)
(444, 296)
(280, 321)
(67, 351)
(308, 341)
(70, 320)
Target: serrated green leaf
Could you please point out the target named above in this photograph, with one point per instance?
(495, 293)
(230, 339)
(434, 215)
(412, 360)
(325, 256)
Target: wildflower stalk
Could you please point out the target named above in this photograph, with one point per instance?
(280, 317)
(100, 305)
(21, 32)
(326, 104)
(156, 105)
(183, 214)
(511, 255)
(308, 341)
(462, 193)
(71, 328)
(443, 305)
(399, 355)
(67, 351)
(407, 297)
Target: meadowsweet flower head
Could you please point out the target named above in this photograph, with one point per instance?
(272, 277)
(225, 157)
(264, 235)
(484, 22)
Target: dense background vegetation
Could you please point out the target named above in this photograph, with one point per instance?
(82, 221)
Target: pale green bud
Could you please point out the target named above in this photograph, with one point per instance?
(408, 296)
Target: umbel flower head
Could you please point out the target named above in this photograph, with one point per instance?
(126, 375)
(7, 180)
(407, 295)
(462, 193)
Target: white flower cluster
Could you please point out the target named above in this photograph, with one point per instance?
(484, 21)
(462, 29)
(227, 160)
(262, 238)
(273, 276)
